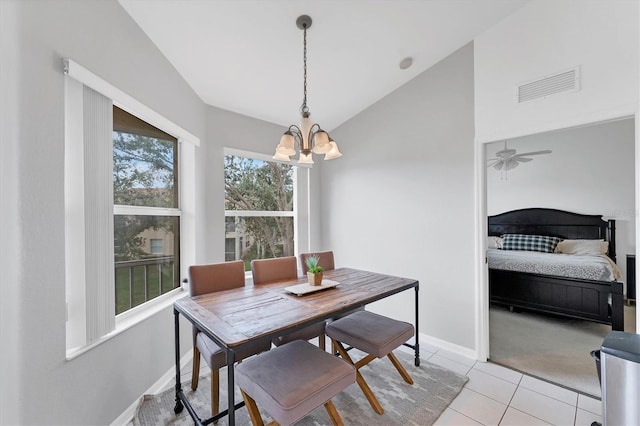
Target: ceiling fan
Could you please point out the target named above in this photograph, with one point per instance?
(508, 159)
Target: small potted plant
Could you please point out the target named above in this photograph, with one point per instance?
(314, 271)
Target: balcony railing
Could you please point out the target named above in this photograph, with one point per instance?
(138, 281)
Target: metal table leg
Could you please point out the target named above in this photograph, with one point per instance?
(231, 387)
(417, 343)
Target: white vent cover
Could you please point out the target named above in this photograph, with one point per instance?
(562, 82)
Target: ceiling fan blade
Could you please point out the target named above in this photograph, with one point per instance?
(492, 164)
(524, 160)
(546, 151)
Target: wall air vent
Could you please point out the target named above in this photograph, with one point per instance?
(562, 82)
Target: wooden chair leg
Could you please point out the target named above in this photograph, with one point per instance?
(215, 392)
(333, 413)
(403, 372)
(368, 393)
(322, 342)
(252, 408)
(195, 371)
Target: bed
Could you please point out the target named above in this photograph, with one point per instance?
(597, 298)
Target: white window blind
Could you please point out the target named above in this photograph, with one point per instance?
(89, 218)
(98, 207)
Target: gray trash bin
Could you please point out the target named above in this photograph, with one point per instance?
(620, 365)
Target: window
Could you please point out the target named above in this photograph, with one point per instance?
(259, 209)
(156, 246)
(145, 198)
(128, 228)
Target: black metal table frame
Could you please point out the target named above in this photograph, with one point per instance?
(181, 399)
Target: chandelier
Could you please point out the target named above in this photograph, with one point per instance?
(308, 137)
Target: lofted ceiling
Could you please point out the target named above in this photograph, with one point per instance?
(246, 55)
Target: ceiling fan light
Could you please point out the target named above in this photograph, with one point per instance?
(511, 164)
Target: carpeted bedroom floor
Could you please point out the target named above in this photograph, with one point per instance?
(549, 347)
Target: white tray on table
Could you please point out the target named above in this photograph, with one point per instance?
(306, 288)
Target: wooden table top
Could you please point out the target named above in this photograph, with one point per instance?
(239, 316)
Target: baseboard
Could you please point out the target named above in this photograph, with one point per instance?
(447, 346)
(161, 384)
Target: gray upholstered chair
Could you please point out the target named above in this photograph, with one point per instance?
(290, 381)
(208, 279)
(279, 269)
(377, 336)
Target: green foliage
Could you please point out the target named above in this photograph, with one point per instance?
(144, 173)
(261, 186)
(312, 264)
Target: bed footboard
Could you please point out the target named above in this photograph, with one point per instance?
(598, 301)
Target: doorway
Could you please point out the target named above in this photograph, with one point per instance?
(590, 170)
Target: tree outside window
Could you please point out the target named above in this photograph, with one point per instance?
(258, 208)
(146, 211)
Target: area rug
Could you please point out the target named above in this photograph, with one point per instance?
(551, 348)
(419, 404)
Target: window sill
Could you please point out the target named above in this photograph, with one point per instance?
(132, 317)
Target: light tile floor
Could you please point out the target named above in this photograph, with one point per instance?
(495, 395)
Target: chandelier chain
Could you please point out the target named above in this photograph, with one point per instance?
(304, 108)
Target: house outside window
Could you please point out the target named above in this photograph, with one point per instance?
(259, 209)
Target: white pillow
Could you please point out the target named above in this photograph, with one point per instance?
(583, 247)
(494, 242)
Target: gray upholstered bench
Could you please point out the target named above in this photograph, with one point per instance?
(374, 334)
(291, 380)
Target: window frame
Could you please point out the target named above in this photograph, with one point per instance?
(300, 199)
(187, 143)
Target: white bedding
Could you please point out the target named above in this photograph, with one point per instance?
(599, 268)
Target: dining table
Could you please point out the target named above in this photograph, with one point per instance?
(249, 315)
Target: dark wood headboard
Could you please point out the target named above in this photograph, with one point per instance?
(555, 223)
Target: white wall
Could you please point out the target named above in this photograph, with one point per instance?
(542, 38)
(548, 36)
(38, 386)
(10, 256)
(401, 199)
(590, 171)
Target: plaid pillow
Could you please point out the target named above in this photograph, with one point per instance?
(530, 242)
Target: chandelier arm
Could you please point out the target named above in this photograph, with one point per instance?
(297, 134)
(312, 133)
(293, 128)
